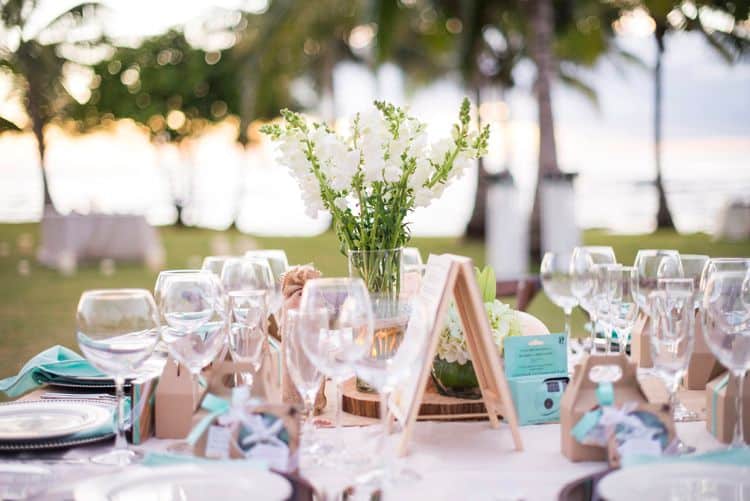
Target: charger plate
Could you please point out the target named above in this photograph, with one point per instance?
(693, 481)
(187, 482)
(41, 420)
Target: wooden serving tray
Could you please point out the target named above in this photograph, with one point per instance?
(434, 405)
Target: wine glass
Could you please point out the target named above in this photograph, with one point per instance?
(117, 330)
(600, 299)
(250, 273)
(584, 280)
(677, 288)
(215, 264)
(161, 280)
(671, 341)
(650, 266)
(385, 369)
(557, 280)
(726, 321)
(348, 336)
(247, 336)
(623, 307)
(193, 307)
(305, 375)
(279, 264)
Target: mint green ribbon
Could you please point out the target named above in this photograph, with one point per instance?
(216, 406)
(715, 401)
(605, 396)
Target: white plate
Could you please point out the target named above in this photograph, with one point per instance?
(44, 419)
(688, 481)
(190, 482)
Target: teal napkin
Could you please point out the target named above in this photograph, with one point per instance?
(53, 363)
(740, 457)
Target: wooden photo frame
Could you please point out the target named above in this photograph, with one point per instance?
(450, 277)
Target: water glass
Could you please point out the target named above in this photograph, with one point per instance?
(348, 336)
(215, 264)
(676, 290)
(623, 307)
(726, 323)
(650, 266)
(584, 281)
(247, 333)
(305, 375)
(117, 330)
(557, 280)
(279, 265)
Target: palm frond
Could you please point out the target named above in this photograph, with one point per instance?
(572, 80)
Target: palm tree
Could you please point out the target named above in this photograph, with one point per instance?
(730, 44)
(39, 65)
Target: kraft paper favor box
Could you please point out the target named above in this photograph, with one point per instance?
(703, 366)
(143, 397)
(537, 372)
(640, 347)
(662, 411)
(580, 397)
(720, 407)
(177, 397)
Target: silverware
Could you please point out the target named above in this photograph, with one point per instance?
(103, 397)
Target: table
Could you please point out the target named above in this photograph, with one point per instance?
(460, 460)
(68, 239)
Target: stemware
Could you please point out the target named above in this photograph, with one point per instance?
(247, 337)
(557, 280)
(251, 273)
(623, 307)
(349, 333)
(117, 330)
(650, 266)
(279, 264)
(584, 280)
(194, 309)
(600, 300)
(215, 264)
(385, 370)
(676, 289)
(305, 375)
(726, 324)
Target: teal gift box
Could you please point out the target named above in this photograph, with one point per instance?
(537, 371)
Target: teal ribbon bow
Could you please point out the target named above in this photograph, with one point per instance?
(605, 396)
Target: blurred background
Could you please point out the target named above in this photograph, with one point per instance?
(148, 113)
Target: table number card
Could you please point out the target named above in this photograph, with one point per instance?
(452, 277)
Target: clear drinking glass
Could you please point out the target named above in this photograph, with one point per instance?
(410, 256)
(305, 375)
(651, 265)
(558, 281)
(600, 300)
(676, 289)
(671, 340)
(251, 274)
(215, 264)
(117, 330)
(247, 334)
(385, 370)
(161, 280)
(726, 324)
(279, 264)
(349, 334)
(194, 309)
(584, 279)
(623, 307)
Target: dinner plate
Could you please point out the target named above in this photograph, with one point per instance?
(46, 419)
(693, 481)
(187, 483)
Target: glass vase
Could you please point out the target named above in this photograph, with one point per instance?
(453, 379)
(381, 271)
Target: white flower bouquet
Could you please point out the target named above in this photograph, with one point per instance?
(372, 178)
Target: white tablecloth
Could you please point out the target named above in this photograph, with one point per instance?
(455, 460)
(67, 239)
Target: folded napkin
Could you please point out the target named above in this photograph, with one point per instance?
(56, 363)
(739, 457)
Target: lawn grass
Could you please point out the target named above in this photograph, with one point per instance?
(38, 310)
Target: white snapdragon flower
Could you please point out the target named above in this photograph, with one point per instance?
(421, 174)
(440, 150)
(423, 197)
(460, 164)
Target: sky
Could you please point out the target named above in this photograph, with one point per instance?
(706, 140)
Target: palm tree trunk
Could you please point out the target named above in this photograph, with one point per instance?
(476, 227)
(34, 109)
(663, 215)
(543, 26)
